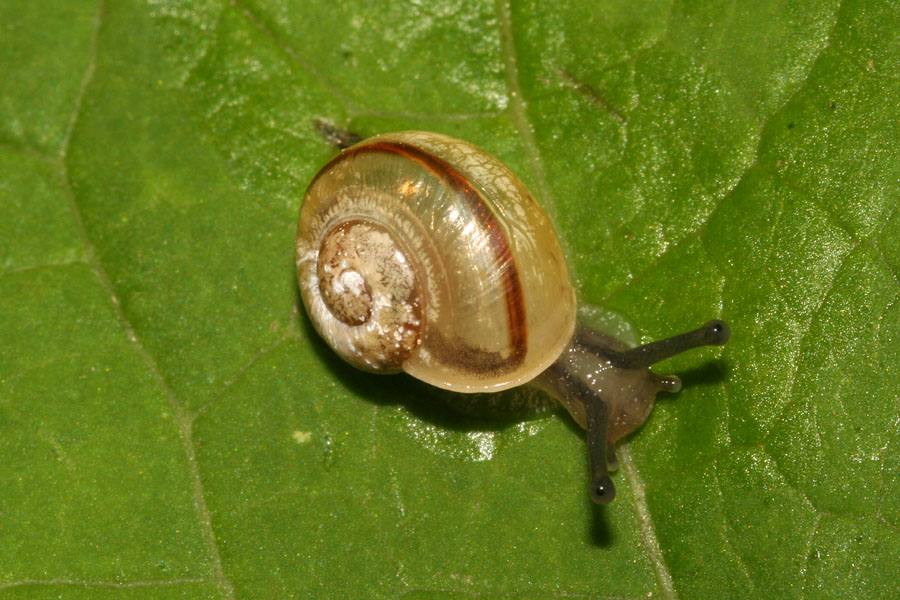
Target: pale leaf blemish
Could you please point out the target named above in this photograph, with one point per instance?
(301, 437)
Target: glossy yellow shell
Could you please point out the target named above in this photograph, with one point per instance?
(421, 252)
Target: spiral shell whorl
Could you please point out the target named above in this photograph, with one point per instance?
(364, 296)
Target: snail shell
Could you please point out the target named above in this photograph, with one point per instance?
(420, 252)
(423, 253)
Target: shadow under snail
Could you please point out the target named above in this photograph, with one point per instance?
(422, 253)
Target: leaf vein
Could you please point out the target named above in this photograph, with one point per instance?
(804, 568)
(40, 267)
(648, 532)
(292, 54)
(241, 372)
(180, 416)
(726, 539)
(100, 584)
(518, 106)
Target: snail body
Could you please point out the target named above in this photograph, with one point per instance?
(422, 253)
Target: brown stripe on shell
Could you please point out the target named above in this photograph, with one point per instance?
(473, 359)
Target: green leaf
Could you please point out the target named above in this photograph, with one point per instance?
(172, 427)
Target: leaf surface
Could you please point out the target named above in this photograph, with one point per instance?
(172, 427)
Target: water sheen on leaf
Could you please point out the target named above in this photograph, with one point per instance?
(172, 427)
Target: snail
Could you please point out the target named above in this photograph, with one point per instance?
(422, 253)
